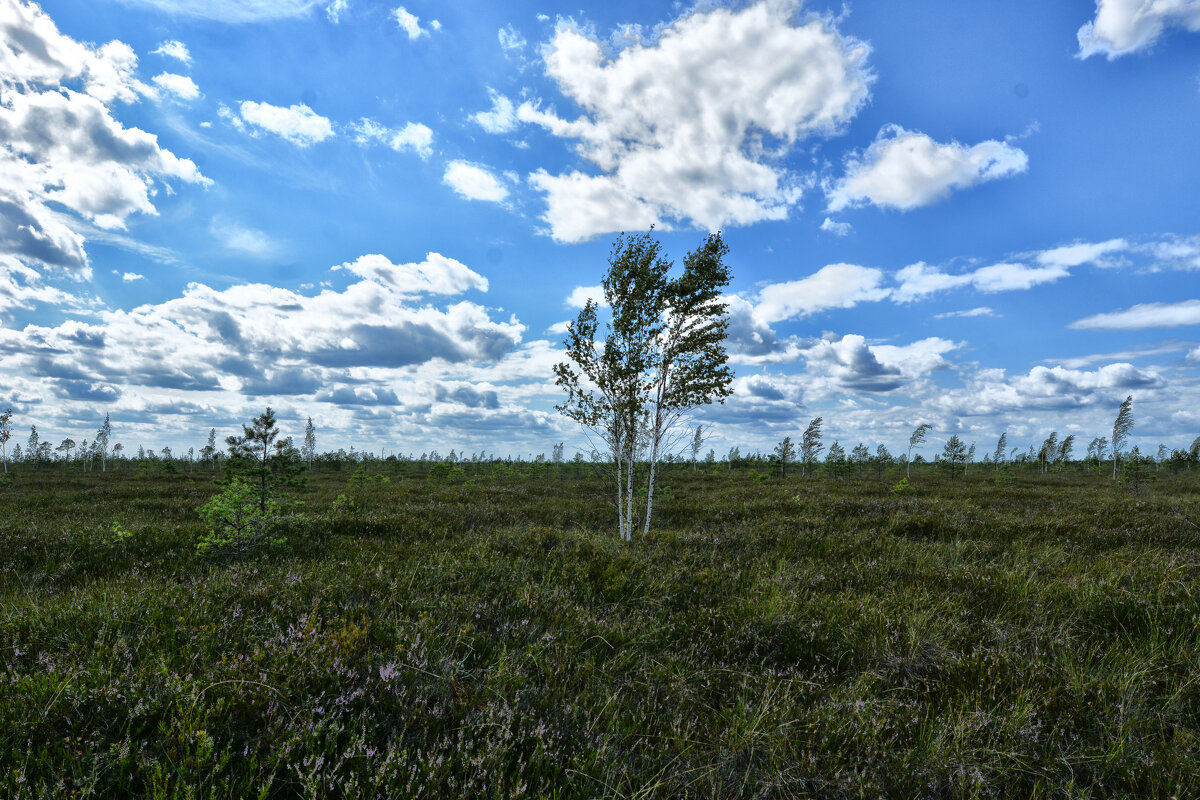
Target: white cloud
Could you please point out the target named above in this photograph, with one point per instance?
(684, 129)
(474, 182)
(437, 274)
(1073, 255)
(854, 364)
(502, 117)
(832, 286)
(1143, 315)
(257, 340)
(232, 10)
(1126, 26)
(299, 124)
(173, 48)
(413, 137)
(335, 9)
(581, 294)
(906, 169)
(243, 240)
(1010, 277)
(62, 146)
(130, 277)
(22, 287)
(511, 41)
(980, 311)
(411, 24)
(919, 280)
(836, 228)
(181, 86)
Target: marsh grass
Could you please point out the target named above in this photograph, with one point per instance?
(486, 635)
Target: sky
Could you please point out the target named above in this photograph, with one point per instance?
(980, 216)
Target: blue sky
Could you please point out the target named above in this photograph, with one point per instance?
(976, 215)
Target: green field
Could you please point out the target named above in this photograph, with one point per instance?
(486, 635)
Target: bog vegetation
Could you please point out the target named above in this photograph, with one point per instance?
(474, 628)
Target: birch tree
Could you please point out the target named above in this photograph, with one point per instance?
(101, 442)
(785, 451)
(1121, 427)
(918, 437)
(5, 435)
(309, 450)
(810, 445)
(663, 354)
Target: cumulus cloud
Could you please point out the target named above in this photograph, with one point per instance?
(60, 144)
(411, 24)
(684, 129)
(1126, 26)
(906, 169)
(502, 117)
(437, 274)
(261, 339)
(298, 123)
(1142, 316)
(180, 86)
(413, 137)
(836, 228)
(173, 48)
(854, 364)
(474, 182)
(832, 286)
(580, 295)
(130, 277)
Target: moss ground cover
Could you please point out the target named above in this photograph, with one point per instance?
(484, 634)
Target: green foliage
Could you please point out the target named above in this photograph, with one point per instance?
(445, 472)
(240, 521)
(903, 487)
(663, 353)
(120, 534)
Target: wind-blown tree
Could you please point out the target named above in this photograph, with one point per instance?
(1048, 452)
(6, 434)
(955, 452)
(1121, 427)
(918, 437)
(697, 443)
(33, 443)
(810, 445)
(785, 451)
(1001, 449)
(65, 447)
(101, 442)
(970, 457)
(309, 450)
(1064, 450)
(1160, 457)
(663, 355)
(1101, 449)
